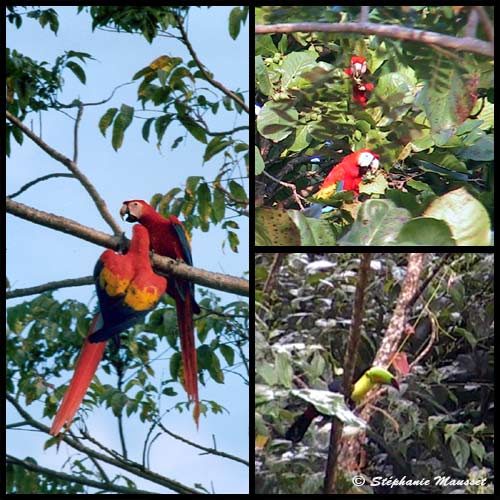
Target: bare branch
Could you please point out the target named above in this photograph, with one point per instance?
(126, 465)
(166, 265)
(52, 285)
(486, 21)
(389, 31)
(30, 465)
(79, 115)
(211, 451)
(36, 181)
(365, 13)
(296, 196)
(96, 197)
(206, 74)
(75, 104)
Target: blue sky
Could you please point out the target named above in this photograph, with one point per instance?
(36, 255)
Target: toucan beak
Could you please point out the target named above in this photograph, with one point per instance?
(394, 383)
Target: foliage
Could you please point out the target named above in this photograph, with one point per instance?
(432, 129)
(55, 331)
(441, 421)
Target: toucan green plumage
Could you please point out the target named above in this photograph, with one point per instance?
(376, 375)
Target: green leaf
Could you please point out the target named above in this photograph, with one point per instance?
(378, 223)
(77, 70)
(122, 121)
(237, 17)
(228, 354)
(259, 162)
(312, 231)
(238, 191)
(262, 80)
(107, 119)
(284, 370)
(218, 206)
(193, 128)
(204, 205)
(146, 128)
(277, 120)
(216, 145)
(330, 403)
(466, 217)
(425, 231)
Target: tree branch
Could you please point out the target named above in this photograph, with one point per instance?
(126, 465)
(71, 478)
(389, 31)
(36, 181)
(211, 451)
(206, 74)
(52, 285)
(486, 21)
(96, 197)
(166, 265)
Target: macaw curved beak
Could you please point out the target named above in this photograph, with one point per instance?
(126, 215)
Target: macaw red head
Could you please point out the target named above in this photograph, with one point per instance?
(367, 161)
(134, 210)
(358, 66)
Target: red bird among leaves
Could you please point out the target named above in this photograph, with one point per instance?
(349, 172)
(127, 289)
(169, 238)
(360, 88)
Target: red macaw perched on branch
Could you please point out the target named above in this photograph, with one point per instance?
(360, 88)
(349, 172)
(127, 289)
(169, 238)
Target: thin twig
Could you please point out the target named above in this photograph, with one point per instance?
(89, 187)
(206, 74)
(36, 181)
(290, 186)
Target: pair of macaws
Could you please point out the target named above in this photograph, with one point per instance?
(376, 375)
(348, 174)
(127, 289)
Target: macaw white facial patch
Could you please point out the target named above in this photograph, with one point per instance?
(365, 159)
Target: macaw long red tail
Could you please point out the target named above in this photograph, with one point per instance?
(188, 349)
(86, 366)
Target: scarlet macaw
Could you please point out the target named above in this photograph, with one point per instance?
(372, 377)
(360, 88)
(127, 289)
(169, 238)
(349, 172)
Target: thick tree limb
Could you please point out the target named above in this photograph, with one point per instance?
(168, 266)
(389, 31)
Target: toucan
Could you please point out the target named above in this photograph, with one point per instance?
(369, 379)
